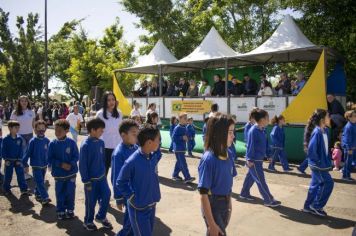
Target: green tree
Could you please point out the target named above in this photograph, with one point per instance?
(21, 57)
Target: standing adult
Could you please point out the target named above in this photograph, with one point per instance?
(112, 118)
(299, 84)
(193, 89)
(219, 86)
(204, 89)
(336, 113)
(182, 87)
(236, 88)
(26, 117)
(284, 86)
(249, 85)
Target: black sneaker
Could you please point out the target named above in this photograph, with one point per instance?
(301, 171)
(45, 202)
(306, 210)
(178, 178)
(90, 227)
(273, 204)
(69, 214)
(319, 212)
(287, 170)
(106, 224)
(61, 215)
(26, 193)
(248, 198)
(38, 198)
(190, 180)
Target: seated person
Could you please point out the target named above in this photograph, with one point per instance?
(236, 88)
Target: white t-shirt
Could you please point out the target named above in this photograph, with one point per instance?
(25, 120)
(326, 143)
(135, 112)
(73, 119)
(111, 135)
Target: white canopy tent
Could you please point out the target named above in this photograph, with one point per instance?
(286, 44)
(151, 63)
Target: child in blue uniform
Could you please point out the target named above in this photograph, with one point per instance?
(171, 128)
(11, 152)
(152, 119)
(191, 136)
(128, 130)
(232, 149)
(180, 139)
(307, 133)
(138, 182)
(319, 161)
(37, 152)
(216, 171)
(349, 144)
(92, 171)
(63, 156)
(255, 153)
(204, 129)
(278, 142)
(1, 175)
(250, 123)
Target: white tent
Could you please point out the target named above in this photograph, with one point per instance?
(287, 44)
(150, 63)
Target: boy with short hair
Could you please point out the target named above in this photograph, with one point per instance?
(180, 139)
(63, 156)
(138, 181)
(191, 136)
(128, 131)
(92, 171)
(37, 152)
(11, 152)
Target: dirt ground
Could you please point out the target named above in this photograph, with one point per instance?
(178, 212)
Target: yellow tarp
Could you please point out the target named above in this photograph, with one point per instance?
(312, 96)
(124, 104)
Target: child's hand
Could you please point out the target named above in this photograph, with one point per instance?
(26, 169)
(185, 138)
(249, 164)
(350, 152)
(215, 230)
(66, 166)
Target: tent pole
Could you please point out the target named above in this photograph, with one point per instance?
(160, 79)
(226, 83)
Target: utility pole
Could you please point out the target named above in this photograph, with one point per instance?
(46, 57)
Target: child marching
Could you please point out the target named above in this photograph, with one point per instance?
(349, 144)
(191, 136)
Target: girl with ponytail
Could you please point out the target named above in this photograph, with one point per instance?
(319, 161)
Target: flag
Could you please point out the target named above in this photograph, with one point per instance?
(124, 104)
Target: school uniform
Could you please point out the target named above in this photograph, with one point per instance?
(247, 128)
(179, 147)
(12, 154)
(319, 161)
(191, 138)
(278, 143)
(171, 128)
(138, 182)
(256, 152)
(204, 132)
(1, 175)
(349, 145)
(121, 153)
(216, 178)
(59, 152)
(92, 171)
(37, 152)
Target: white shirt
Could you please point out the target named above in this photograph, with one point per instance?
(25, 121)
(135, 112)
(267, 91)
(206, 91)
(73, 119)
(326, 143)
(111, 135)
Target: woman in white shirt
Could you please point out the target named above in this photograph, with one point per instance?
(266, 89)
(204, 89)
(26, 117)
(136, 109)
(75, 120)
(112, 118)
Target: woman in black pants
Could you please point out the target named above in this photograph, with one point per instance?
(112, 118)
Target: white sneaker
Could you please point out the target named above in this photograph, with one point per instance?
(28, 176)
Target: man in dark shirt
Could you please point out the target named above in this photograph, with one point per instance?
(219, 86)
(236, 88)
(249, 85)
(336, 112)
(284, 85)
(182, 87)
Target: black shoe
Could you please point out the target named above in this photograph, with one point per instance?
(90, 227)
(69, 215)
(178, 178)
(61, 215)
(319, 212)
(289, 169)
(301, 171)
(273, 204)
(106, 224)
(248, 198)
(45, 202)
(190, 180)
(38, 198)
(26, 193)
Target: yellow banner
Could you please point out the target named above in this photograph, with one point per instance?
(191, 106)
(124, 104)
(312, 96)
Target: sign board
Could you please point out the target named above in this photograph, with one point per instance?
(191, 106)
(273, 105)
(241, 107)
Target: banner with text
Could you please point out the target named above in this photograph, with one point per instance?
(191, 106)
